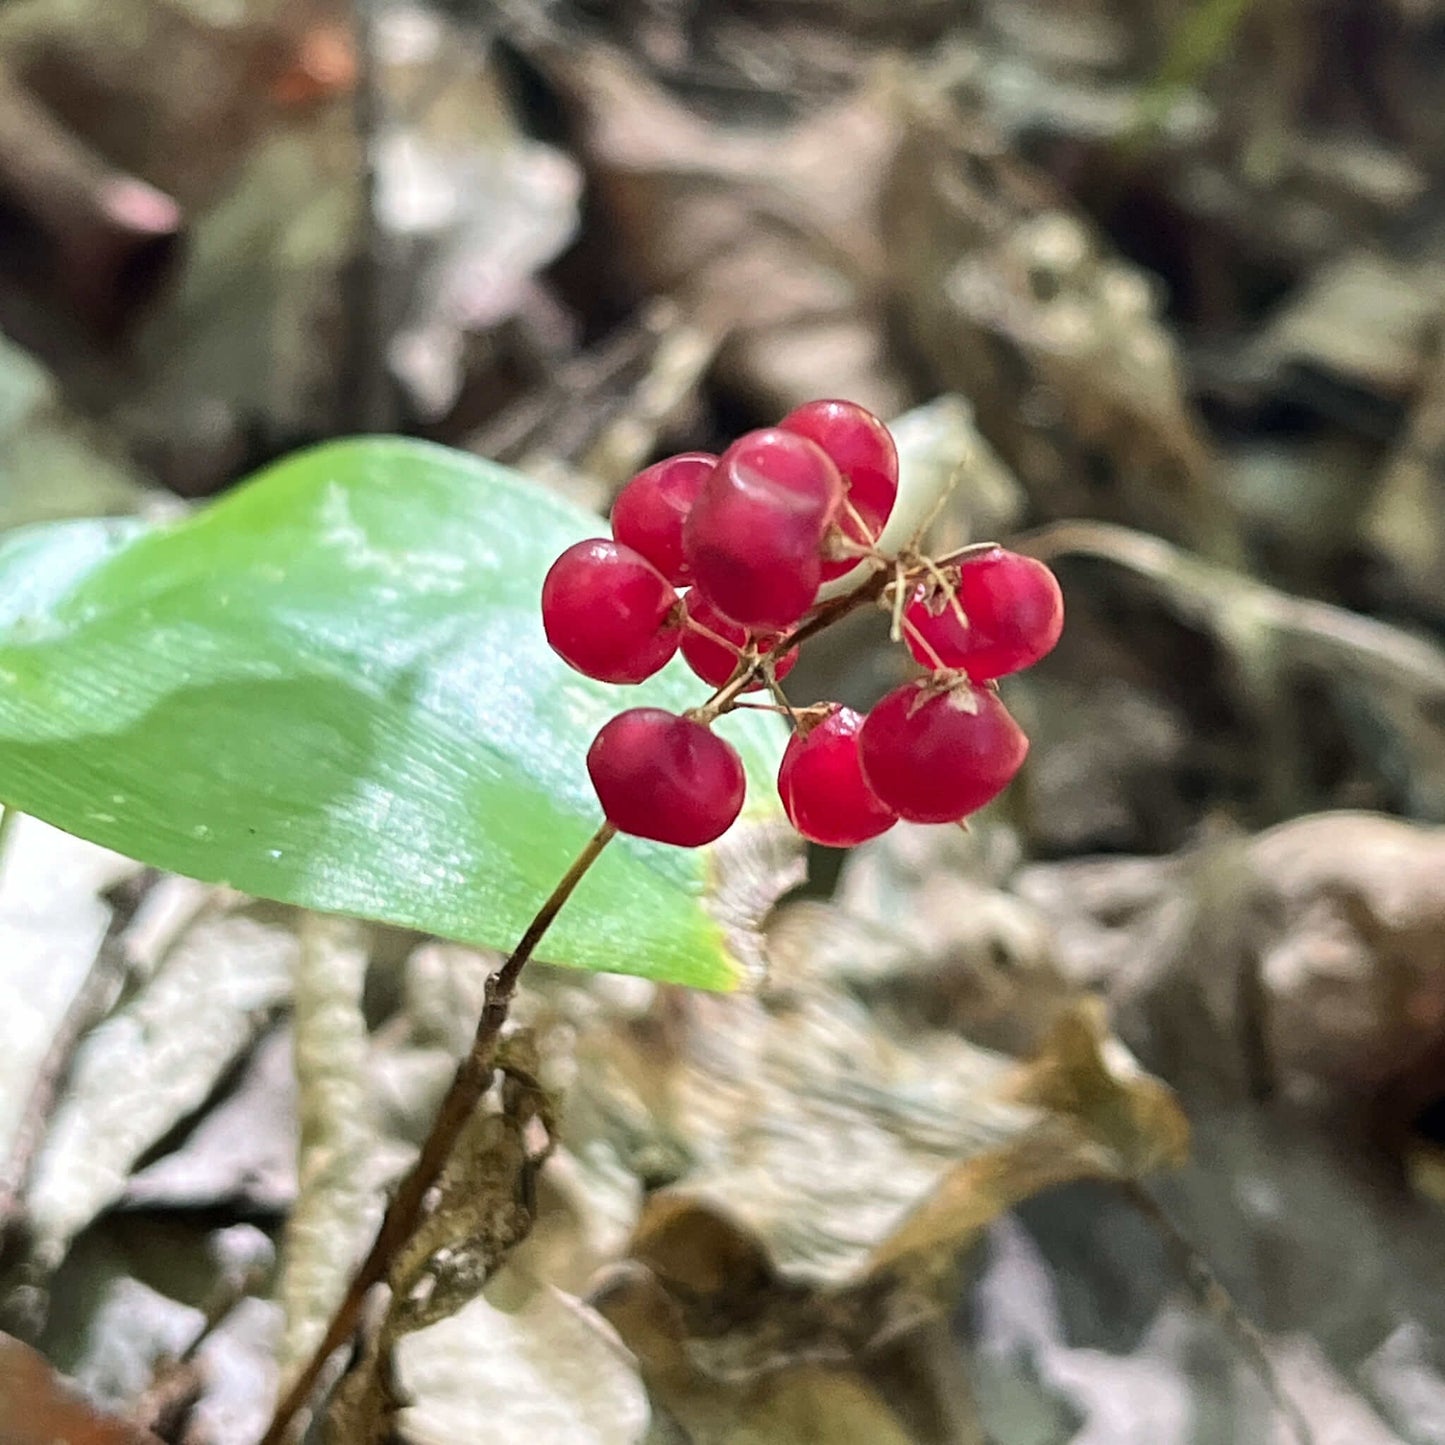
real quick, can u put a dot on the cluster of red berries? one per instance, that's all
(722, 558)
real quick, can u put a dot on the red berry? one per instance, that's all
(608, 612)
(863, 451)
(715, 661)
(822, 786)
(666, 777)
(754, 536)
(1013, 613)
(936, 754)
(650, 510)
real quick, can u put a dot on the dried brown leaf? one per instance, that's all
(1311, 951)
(788, 1401)
(484, 1205)
(755, 228)
(1101, 1116)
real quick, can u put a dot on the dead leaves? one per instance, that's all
(156, 1060)
(1056, 341)
(767, 1197)
(1324, 985)
(1102, 1117)
(826, 1171)
(526, 1362)
(754, 230)
(484, 1207)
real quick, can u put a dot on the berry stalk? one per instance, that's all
(474, 1073)
(470, 1082)
(751, 534)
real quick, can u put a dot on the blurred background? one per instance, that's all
(1165, 281)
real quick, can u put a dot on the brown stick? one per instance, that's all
(469, 1083)
(1207, 1288)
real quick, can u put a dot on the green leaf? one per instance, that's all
(331, 688)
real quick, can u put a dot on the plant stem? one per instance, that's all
(469, 1084)
(474, 1073)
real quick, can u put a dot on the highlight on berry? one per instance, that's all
(720, 559)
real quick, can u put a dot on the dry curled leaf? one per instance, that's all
(1313, 947)
(823, 1132)
(791, 1399)
(1100, 1115)
(483, 1206)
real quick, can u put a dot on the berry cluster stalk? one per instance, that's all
(474, 1073)
(469, 1084)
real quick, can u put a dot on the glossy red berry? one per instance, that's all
(935, 754)
(608, 612)
(666, 777)
(1013, 613)
(714, 660)
(650, 510)
(822, 786)
(863, 451)
(754, 536)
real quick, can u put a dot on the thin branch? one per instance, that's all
(1210, 595)
(177, 1382)
(1220, 1305)
(469, 1084)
